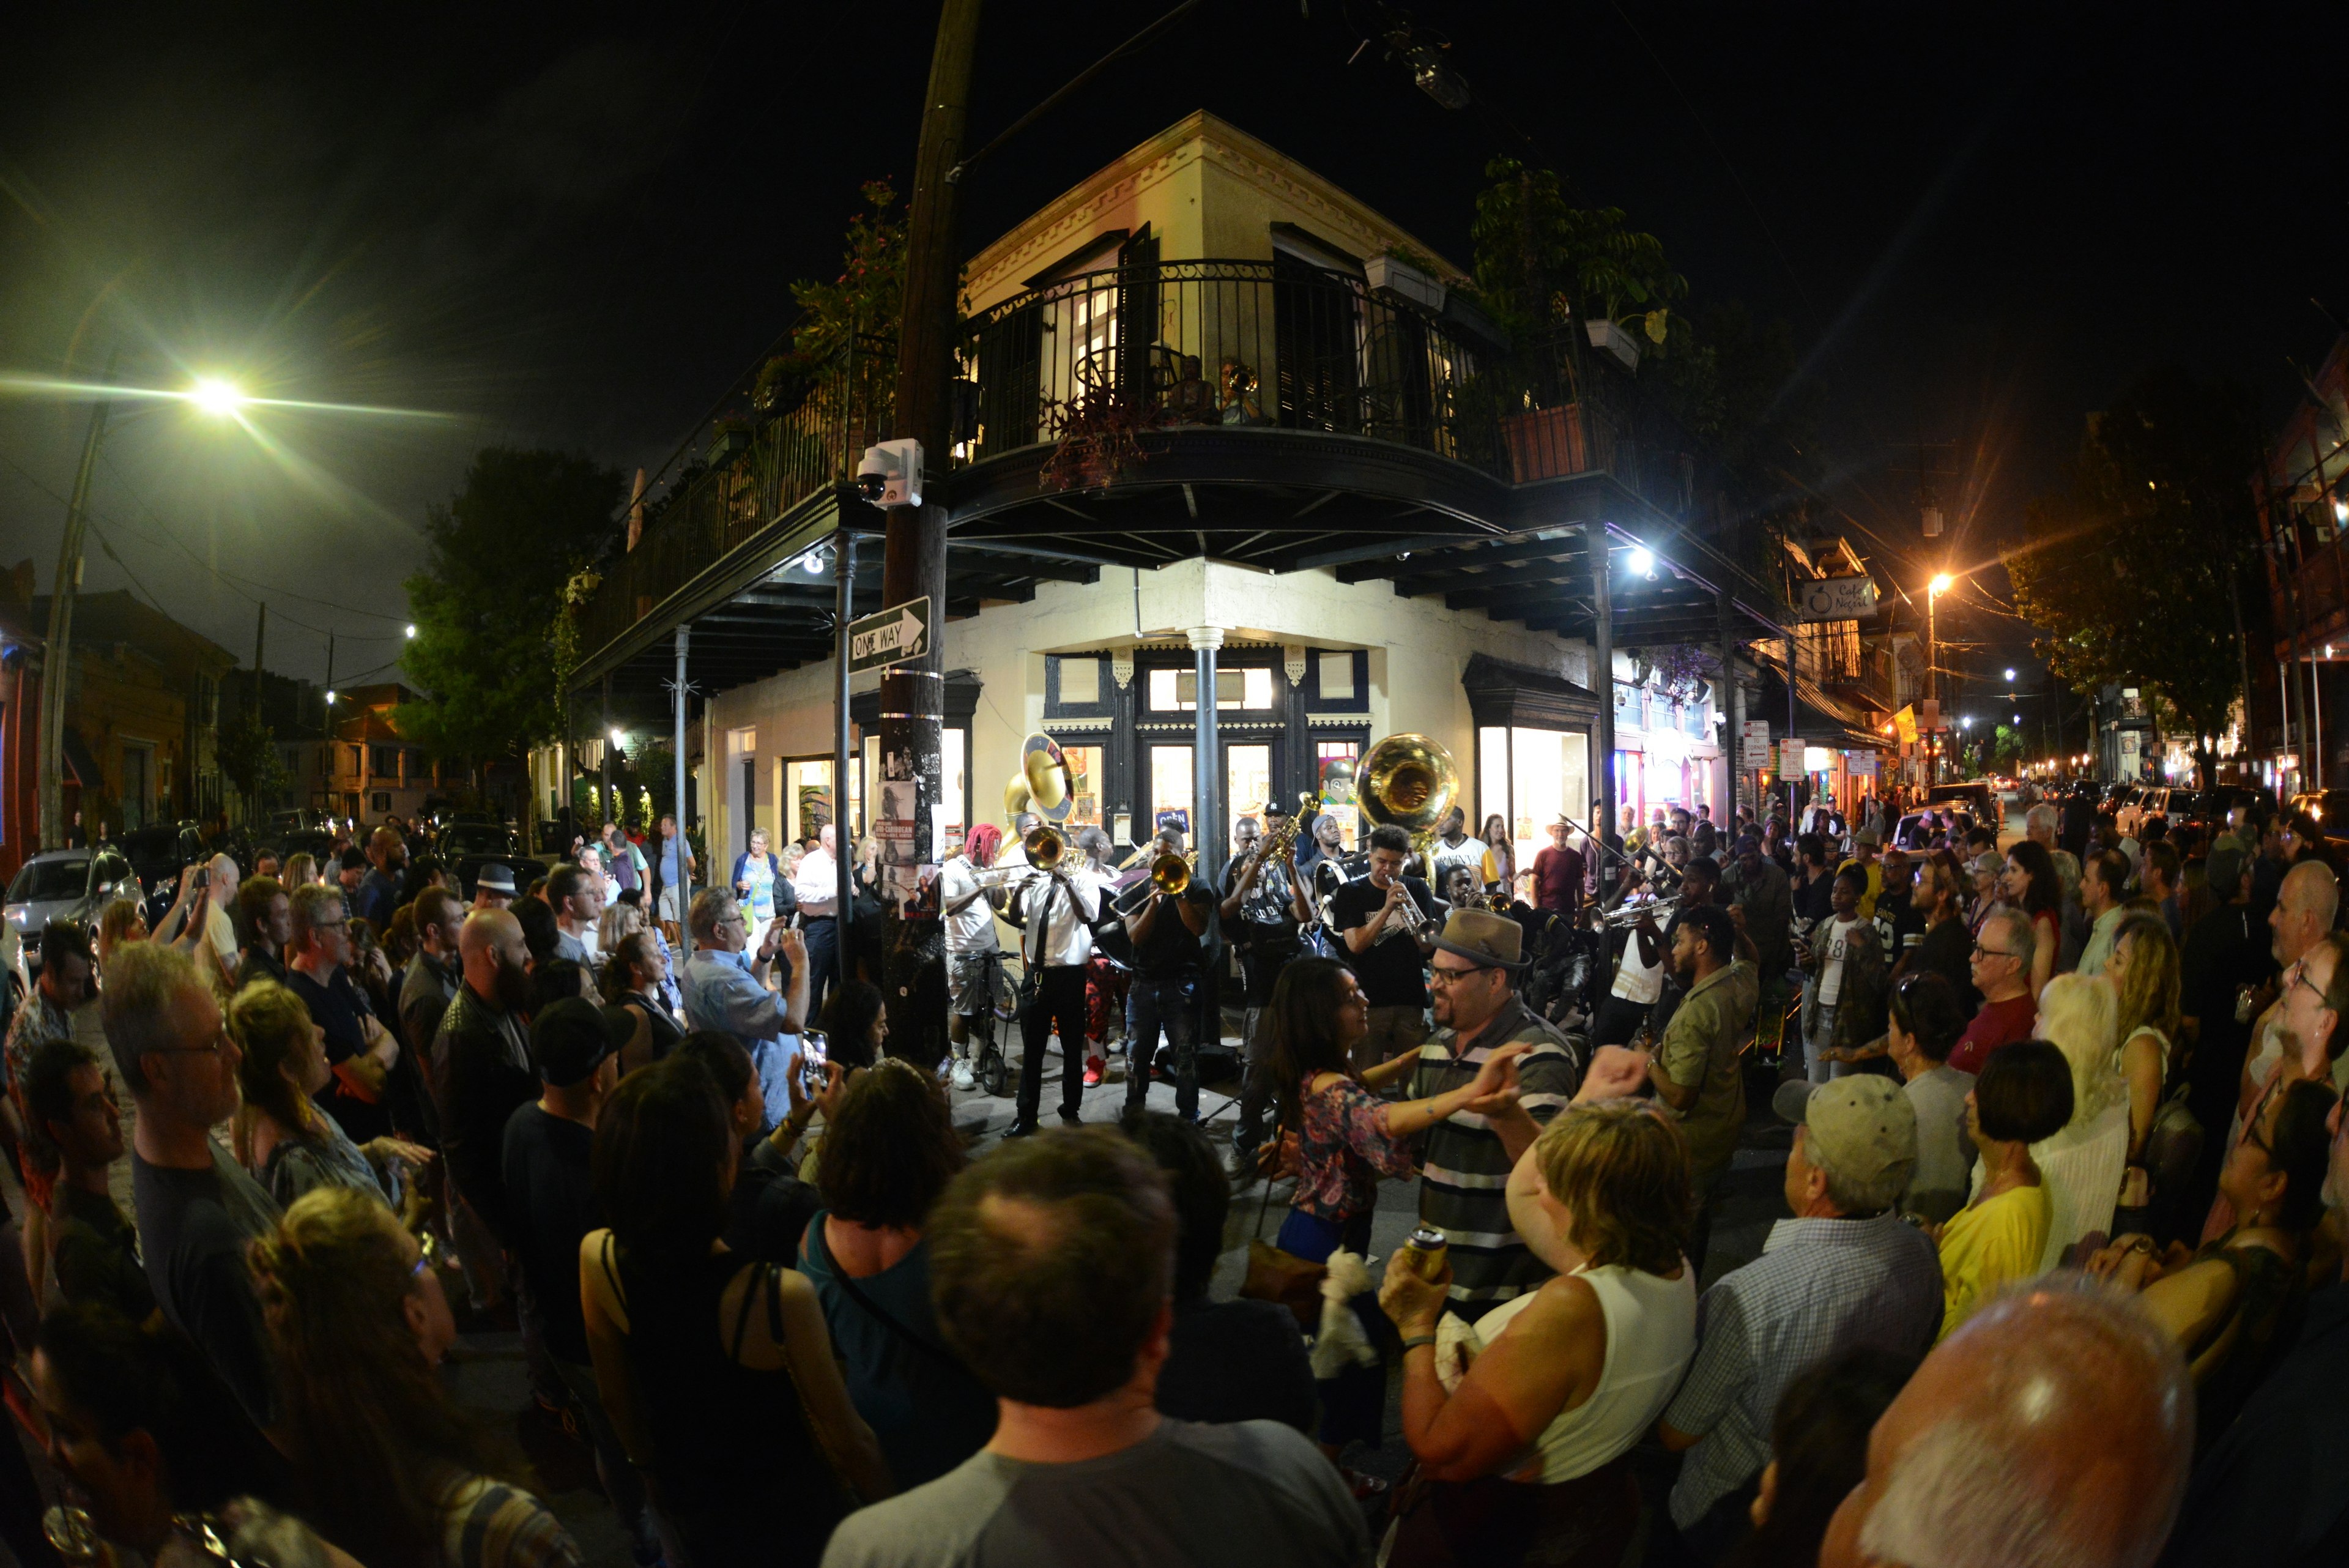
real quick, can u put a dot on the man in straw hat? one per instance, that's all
(1462, 1191)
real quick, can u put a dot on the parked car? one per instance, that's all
(65, 884)
(1975, 796)
(2159, 801)
(2120, 794)
(468, 845)
(2206, 812)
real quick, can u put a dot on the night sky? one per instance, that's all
(574, 228)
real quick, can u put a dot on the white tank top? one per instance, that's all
(1651, 1335)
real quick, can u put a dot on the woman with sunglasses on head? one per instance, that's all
(2031, 885)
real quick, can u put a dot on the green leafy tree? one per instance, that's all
(866, 300)
(2130, 571)
(248, 755)
(490, 605)
(1540, 258)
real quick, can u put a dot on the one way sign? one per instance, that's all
(889, 636)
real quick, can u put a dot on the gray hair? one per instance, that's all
(1851, 1194)
(145, 984)
(305, 907)
(712, 907)
(2039, 817)
(2021, 932)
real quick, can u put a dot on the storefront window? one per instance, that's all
(1333, 773)
(1084, 787)
(1248, 781)
(1530, 778)
(806, 805)
(1169, 787)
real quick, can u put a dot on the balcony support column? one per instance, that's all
(603, 749)
(683, 896)
(1207, 770)
(1729, 699)
(1602, 676)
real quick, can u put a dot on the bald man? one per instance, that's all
(481, 1067)
(2055, 1428)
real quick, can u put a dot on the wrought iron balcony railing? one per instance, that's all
(1155, 348)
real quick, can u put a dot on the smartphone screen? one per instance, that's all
(813, 1046)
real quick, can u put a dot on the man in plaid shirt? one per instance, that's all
(1846, 1271)
(1463, 1188)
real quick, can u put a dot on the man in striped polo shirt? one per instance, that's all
(1462, 1191)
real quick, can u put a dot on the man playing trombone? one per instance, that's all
(1166, 914)
(1265, 909)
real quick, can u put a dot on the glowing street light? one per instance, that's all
(217, 397)
(2010, 676)
(411, 631)
(1939, 584)
(620, 739)
(1642, 561)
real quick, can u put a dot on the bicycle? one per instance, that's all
(990, 1065)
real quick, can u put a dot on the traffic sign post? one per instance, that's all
(893, 636)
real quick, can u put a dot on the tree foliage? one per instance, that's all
(2129, 571)
(866, 299)
(488, 603)
(249, 757)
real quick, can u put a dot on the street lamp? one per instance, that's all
(411, 631)
(2009, 677)
(1642, 561)
(216, 397)
(1933, 592)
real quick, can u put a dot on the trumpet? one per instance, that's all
(1409, 919)
(1629, 915)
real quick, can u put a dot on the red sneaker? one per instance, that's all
(1095, 1068)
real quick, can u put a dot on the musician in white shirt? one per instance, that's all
(1056, 912)
(967, 909)
(816, 883)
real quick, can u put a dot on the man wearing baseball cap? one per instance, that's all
(1462, 1192)
(549, 1207)
(1846, 1271)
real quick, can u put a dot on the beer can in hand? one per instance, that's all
(1425, 1249)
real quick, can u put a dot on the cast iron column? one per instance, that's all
(1206, 775)
(1602, 659)
(683, 878)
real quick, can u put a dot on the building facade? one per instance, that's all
(1223, 428)
(2303, 494)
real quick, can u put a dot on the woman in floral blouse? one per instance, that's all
(1339, 1138)
(1347, 1136)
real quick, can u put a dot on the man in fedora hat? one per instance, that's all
(1464, 1190)
(493, 887)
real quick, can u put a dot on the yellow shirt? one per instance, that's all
(1989, 1243)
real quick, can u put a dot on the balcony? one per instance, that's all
(1277, 381)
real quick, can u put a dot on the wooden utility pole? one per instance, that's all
(56, 652)
(914, 558)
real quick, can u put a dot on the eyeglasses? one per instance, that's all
(2300, 977)
(1981, 952)
(1439, 976)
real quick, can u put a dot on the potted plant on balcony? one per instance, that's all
(1407, 274)
(1097, 437)
(730, 438)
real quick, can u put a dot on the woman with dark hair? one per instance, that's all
(1818, 1452)
(2032, 884)
(1240, 1360)
(358, 1327)
(769, 1206)
(1526, 1446)
(1925, 1023)
(632, 980)
(1341, 1138)
(718, 1373)
(2233, 1305)
(2022, 1094)
(282, 1137)
(539, 931)
(1500, 864)
(855, 1023)
(890, 1151)
(1346, 1135)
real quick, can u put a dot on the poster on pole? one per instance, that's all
(1753, 750)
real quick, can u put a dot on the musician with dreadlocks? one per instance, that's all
(967, 912)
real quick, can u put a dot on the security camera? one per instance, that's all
(890, 473)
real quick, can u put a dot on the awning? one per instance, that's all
(1518, 696)
(1819, 720)
(79, 764)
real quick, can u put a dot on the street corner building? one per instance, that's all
(1241, 478)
